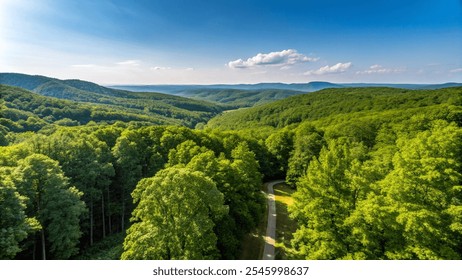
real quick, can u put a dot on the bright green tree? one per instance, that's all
(280, 145)
(55, 205)
(184, 153)
(423, 189)
(130, 160)
(174, 218)
(325, 197)
(14, 224)
(307, 143)
(86, 161)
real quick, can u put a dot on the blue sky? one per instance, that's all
(206, 42)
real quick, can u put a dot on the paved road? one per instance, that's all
(270, 237)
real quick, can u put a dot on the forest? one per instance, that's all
(376, 174)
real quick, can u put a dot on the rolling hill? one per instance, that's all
(164, 106)
(332, 102)
(237, 98)
(248, 95)
(23, 110)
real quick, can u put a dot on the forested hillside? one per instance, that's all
(174, 108)
(335, 102)
(235, 98)
(376, 173)
(27, 111)
(248, 95)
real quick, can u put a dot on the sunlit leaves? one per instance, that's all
(175, 217)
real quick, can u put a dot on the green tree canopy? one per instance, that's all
(14, 225)
(325, 197)
(175, 217)
(53, 203)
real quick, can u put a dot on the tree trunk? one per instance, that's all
(44, 257)
(91, 222)
(102, 214)
(35, 247)
(42, 231)
(123, 214)
(109, 211)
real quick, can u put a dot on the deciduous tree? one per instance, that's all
(175, 217)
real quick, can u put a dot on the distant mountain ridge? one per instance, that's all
(302, 87)
(184, 89)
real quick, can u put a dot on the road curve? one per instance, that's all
(270, 237)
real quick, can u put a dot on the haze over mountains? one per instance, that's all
(248, 95)
(302, 87)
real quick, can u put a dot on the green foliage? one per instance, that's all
(237, 98)
(307, 144)
(389, 203)
(280, 145)
(52, 202)
(184, 153)
(419, 190)
(85, 160)
(238, 179)
(334, 102)
(95, 103)
(109, 248)
(27, 111)
(325, 197)
(13, 222)
(377, 173)
(175, 217)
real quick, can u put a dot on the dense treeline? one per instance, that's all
(66, 190)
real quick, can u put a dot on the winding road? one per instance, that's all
(270, 237)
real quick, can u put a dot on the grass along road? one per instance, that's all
(254, 243)
(285, 225)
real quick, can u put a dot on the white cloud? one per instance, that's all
(337, 68)
(457, 70)
(281, 58)
(379, 69)
(156, 68)
(129, 63)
